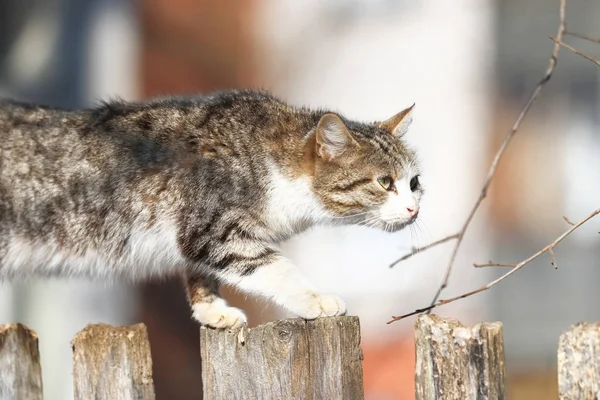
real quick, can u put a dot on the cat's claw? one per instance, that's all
(219, 315)
(316, 305)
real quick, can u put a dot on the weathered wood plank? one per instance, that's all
(456, 362)
(287, 359)
(20, 370)
(112, 363)
(579, 362)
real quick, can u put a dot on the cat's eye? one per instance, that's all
(414, 183)
(386, 182)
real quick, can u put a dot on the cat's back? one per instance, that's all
(23, 124)
(14, 111)
(37, 142)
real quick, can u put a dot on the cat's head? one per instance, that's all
(365, 173)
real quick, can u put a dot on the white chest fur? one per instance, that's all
(291, 204)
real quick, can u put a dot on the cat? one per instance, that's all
(201, 186)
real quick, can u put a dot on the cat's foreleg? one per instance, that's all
(208, 307)
(278, 279)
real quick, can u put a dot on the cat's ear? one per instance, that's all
(398, 125)
(333, 137)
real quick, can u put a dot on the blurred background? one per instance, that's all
(468, 64)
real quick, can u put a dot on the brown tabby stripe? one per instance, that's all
(354, 184)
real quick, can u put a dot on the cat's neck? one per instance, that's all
(292, 206)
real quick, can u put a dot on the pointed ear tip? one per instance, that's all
(331, 119)
(329, 116)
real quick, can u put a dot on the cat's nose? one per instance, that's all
(413, 211)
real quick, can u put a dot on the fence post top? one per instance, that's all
(449, 323)
(18, 327)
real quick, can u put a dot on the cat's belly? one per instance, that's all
(149, 253)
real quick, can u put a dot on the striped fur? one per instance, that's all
(199, 186)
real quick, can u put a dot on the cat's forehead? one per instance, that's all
(408, 170)
(388, 151)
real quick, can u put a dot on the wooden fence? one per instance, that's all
(296, 359)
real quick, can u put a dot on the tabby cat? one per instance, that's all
(203, 187)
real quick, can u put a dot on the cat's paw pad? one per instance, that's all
(320, 305)
(219, 315)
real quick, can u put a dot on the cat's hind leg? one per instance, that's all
(208, 307)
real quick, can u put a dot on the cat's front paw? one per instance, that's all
(218, 314)
(314, 305)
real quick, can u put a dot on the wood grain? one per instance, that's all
(111, 363)
(20, 370)
(579, 362)
(287, 359)
(456, 362)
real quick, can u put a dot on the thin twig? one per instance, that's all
(493, 264)
(568, 220)
(423, 248)
(549, 248)
(492, 171)
(553, 262)
(582, 36)
(574, 50)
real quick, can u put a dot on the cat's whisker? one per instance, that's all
(369, 222)
(414, 236)
(419, 231)
(372, 222)
(421, 224)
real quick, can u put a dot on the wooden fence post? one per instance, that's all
(111, 363)
(287, 359)
(455, 362)
(20, 370)
(579, 362)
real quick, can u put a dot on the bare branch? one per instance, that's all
(568, 220)
(553, 262)
(493, 264)
(492, 170)
(574, 50)
(582, 36)
(423, 248)
(547, 249)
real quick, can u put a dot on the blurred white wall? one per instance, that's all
(369, 60)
